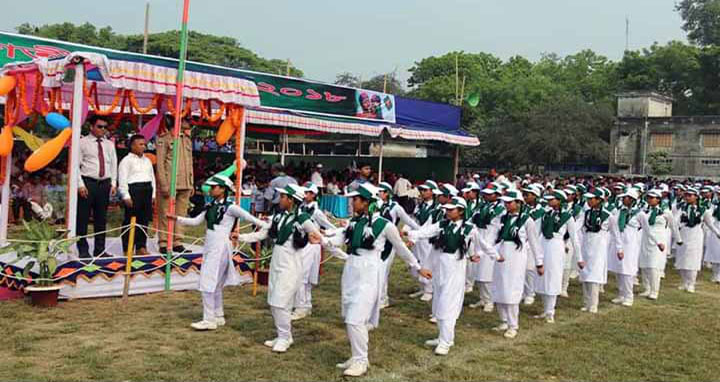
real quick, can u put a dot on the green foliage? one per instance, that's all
(701, 20)
(202, 47)
(40, 243)
(376, 83)
(659, 164)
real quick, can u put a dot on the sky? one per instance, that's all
(371, 37)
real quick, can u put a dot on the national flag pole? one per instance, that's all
(179, 85)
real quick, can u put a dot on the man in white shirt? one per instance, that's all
(402, 189)
(317, 179)
(136, 184)
(97, 182)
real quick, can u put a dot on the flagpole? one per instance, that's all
(179, 85)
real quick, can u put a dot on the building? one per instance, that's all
(646, 136)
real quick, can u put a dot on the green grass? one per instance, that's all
(148, 339)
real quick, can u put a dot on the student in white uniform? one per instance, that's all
(626, 229)
(575, 207)
(471, 192)
(712, 251)
(515, 240)
(688, 259)
(451, 239)
(532, 206)
(425, 214)
(556, 223)
(593, 253)
(396, 214)
(312, 256)
(217, 269)
(365, 237)
(487, 221)
(291, 231)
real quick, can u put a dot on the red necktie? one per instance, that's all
(101, 159)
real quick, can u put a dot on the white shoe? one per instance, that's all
(468, 289)
(416, 294)
(645, 293)
(299, 314)
(271, 343)
(476, 304)
(627, 303)
(488, 307)
(432, 343)
(529, 300)
(356, 369)
(617, 300)
(691, 289)
(344, 365)
(203, 325)
(501, 328)
(550, 319)
(281, 346)
(564, 295)
(370, 327)
(384, 304)
(682, 287)
(510, 333)
(433, 320)
(220, 321)
(426, 297)
(593, 310)
(540, 316)
(584, 309)
(442, 349)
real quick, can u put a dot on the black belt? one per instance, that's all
(141, 185)
(88, 179)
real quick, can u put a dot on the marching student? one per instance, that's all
(623, 259)
(312, 256)
(688, 259)
(365, 238)
(291, 231)
(487, 221)
(396, 214)
(532, 206)
(425, 213)
(217, 267)
(592, 259)
(712, 251)
(556, 223)
(515, 240)
(471, 192)
(451, 240)
(575, 207)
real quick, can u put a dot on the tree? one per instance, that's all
(347, 79)
(659, 163)
(701, 20)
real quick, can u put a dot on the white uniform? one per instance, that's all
(509, 275)
(594, 248)
(712, 246)
(396, 214)
(488, 224)
(628, 241)
(362, 277)
(536, 213)
(424, 215)
(550, 284)
(286, 266)
(688, 258)
(217, 270)
(652, 260)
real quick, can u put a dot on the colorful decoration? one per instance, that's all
(150, 156)
(6, 141)
(33, 142)
(47, 152)
(57, 121)
(7, 84)
(225, 132)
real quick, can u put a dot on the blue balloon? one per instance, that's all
(57, 121)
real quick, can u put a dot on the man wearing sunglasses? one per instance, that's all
(97, 182)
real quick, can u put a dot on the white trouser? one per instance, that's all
(625, 287)
(651, 280)
(213, 301)
(303, 297)
(591, 295)
(529, 288)
(385, 297)
(469, 275)
(715, 271)
(283, 324)
(509, 314)
(484, 292)
(446, 328)
(566, 280)
(549, 304)
(358, 336)
(688, 277)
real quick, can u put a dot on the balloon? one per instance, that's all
(7, 83)
(151, 156)
(57, 121)
(473, 99)
(33, 142)
(225, 131)
(6, 141)
(47, 152)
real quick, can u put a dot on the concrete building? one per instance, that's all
(645, 126)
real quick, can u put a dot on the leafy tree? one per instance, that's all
(701, 20)
(659, 164)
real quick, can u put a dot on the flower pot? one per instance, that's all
(263, 275)
(43, 296)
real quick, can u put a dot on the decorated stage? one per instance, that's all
(104, 276)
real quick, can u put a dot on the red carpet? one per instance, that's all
(8, 294)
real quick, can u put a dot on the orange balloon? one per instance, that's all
(7, 83)
(225, 131)
(6, 141)
(152, 157)
(47, 152)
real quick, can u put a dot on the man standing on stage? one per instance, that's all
(97, 182)
(183, 185)
(136, 184)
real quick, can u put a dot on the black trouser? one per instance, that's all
(142, 209)
(21, 204)
(407, 204)
(97, 201)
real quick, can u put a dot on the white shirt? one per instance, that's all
(402, 187)
(134, 169)
(90, 162)
(317, 179)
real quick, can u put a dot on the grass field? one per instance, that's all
(673, 339)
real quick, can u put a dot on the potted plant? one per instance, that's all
(262, 268)
(40, 243)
